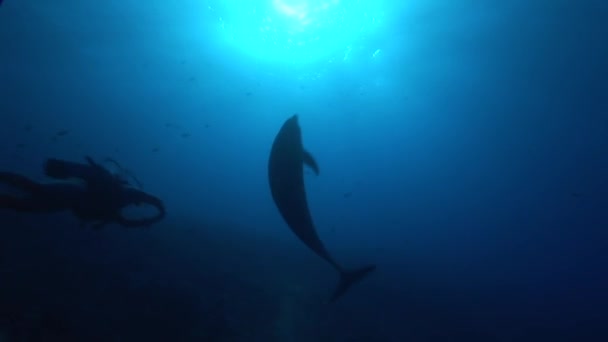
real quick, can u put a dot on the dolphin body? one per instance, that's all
(286, 177)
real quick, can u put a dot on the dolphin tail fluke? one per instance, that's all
(348, 278)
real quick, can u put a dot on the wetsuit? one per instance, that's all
(39, 197)
(99, 200)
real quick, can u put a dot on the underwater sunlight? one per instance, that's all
(296, 31)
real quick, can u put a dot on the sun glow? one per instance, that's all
(296, 31)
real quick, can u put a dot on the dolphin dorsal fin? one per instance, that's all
(310, 161)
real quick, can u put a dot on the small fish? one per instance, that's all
(185, 135)
(248, 93)
(347, 194)
(20, 145)
(27, 127)
(62, 133)
(156, 149)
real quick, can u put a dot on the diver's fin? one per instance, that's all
(310, 161)
(348, 278)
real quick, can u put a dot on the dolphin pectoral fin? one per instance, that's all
(348, 278)
(310, 161)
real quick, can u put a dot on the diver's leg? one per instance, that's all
(9, 202)
(36, 197)
(27, 204)
(19, 181)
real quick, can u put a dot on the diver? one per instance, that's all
(92, 193)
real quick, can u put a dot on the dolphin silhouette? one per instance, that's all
(286, 177)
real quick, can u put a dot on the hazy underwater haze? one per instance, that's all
(462, 148)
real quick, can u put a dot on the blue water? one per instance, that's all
(467, 159)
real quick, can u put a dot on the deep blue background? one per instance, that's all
(469, 161)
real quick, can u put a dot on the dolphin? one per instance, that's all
(286, 178)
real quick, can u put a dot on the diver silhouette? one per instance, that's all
(92, 193)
